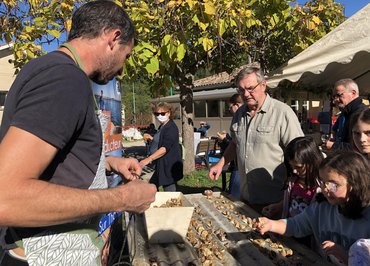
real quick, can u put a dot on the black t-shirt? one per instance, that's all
(52, 99)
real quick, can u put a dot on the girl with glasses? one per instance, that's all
(343, 217)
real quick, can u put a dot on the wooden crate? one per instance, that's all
(168, 224)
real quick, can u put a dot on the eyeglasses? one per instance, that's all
(250, 89)
(160, 113)
(331, 186)
(338, 95)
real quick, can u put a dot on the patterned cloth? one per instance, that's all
(80, 247)
(359, 253)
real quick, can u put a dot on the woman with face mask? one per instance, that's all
(167, 158)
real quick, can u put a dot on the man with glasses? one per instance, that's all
(260, 131)
(346, 97)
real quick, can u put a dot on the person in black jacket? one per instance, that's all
(224, 139)
(167, 158)
(346, 96)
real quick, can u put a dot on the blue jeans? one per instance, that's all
(234, 184)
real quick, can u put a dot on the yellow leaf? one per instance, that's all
(118, 3)
(207, 44)
(181, 51)
(68, 25)
(248, 13)
(222, 27)
(311, 25)
(54, 33)
(19, 54)
(65, 5)
(24, 36)
(166, 39)
(190, 3)
(204, 26)
(28, 29)
(209, 8)
(153, 66)
(30, 54)
(171, 3)
(316, 20)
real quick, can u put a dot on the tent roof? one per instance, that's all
(342, 53)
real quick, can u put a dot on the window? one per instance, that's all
(177, 108)
(225, 109)
(2, 98)
(199, 109)
(295, 105)
(213, 108)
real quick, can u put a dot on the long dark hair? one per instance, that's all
(355, 168)
(304, 150)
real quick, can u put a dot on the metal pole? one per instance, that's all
(171, 92)
(133, 101)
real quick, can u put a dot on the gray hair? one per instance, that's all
(93, 18)
(348, 84)
(250, 70)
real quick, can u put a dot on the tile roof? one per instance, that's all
(221, 78)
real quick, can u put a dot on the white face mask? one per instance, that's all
(162, 118)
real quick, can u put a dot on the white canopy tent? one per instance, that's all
(342, 53)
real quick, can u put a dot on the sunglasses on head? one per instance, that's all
(159, 113)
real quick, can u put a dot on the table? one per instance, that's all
(223, 223)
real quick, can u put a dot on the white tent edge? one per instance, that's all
(339, 47)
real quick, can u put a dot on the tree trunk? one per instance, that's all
(185, 82)
(186, 101)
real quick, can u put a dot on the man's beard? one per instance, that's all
(98, 79)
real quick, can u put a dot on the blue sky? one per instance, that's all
(350, 6)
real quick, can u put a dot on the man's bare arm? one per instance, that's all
(230, 152)
(27, 201)
(228, 156)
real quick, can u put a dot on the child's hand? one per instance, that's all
(331, 248)
(262, 224)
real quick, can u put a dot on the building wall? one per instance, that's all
(6, 74)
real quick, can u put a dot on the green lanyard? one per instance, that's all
(80, 65)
